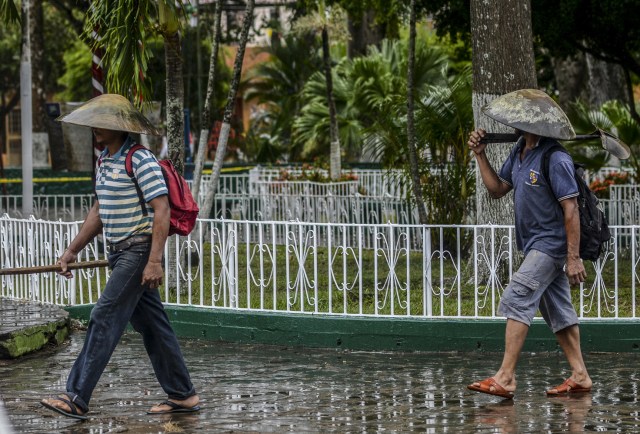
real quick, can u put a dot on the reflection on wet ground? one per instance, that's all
(274, 389)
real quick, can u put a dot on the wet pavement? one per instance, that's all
(245, 388)
(19, 314)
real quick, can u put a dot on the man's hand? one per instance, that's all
(474, 141)
(152, 275)
(575, 271)
(67, 257)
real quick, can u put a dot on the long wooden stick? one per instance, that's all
(511, 138)
(55, 267)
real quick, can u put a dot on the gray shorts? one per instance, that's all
(540, 282)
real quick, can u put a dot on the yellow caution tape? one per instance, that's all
(19, 180)
(88, 178)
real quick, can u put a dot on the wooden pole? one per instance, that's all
(55, 267)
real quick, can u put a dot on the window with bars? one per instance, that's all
(14, 122)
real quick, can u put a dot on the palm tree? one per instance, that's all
(312, 128)
(228, 111)
(277, 86)
(370, 96)
(328, 20)
(444, 116)
(380, 89)
(125, 26)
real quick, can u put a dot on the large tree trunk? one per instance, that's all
(571, 78)
(174, 95)
(503, 61)
(606, 82)
(591, 80)
(209, 100)
(334, 136)
(364, 32)
(175, 100)
(205, 210)
(411, 133)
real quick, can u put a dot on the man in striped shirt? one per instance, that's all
(136, 244)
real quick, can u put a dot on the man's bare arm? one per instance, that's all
(495, 186)
(91, 227)
(153, 273)
(575, 268)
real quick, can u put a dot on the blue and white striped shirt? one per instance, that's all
(120, 209)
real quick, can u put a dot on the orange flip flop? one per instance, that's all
(569, 386)
(490, 387)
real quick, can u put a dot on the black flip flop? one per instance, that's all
(175, 408)
(74, 409)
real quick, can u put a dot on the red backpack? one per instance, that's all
(184, 209)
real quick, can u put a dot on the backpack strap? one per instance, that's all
(546, 157)
(128, 165)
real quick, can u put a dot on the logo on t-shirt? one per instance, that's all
(533, 177)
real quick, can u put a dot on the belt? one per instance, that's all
(125, 244)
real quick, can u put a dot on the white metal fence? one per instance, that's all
(259, 195)
(322, 268)
(49, 206)
(374, 197)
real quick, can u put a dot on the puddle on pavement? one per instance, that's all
(251, 388)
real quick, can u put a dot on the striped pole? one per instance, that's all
(96, 67)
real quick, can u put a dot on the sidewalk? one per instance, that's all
(28, 326)
(249, 388)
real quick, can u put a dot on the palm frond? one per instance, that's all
(9, 12)
(125, 27)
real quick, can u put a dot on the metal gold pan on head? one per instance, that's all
(613, 145)
(533, 111)
(112, 112)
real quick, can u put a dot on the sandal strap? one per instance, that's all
(72, 407)
(172, 404)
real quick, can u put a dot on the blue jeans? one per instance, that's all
(124, 299)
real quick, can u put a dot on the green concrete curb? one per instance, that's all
(380, 333)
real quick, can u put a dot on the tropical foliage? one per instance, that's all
(9, 12)
(612, 116)
(277, 85)
(331, 23)
(125, 29)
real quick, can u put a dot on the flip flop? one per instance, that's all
(490, 387)
(569, 386)
(72, 414)
(175, 408)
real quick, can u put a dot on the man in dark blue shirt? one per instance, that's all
(549, 236)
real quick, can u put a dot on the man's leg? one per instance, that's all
(107, 323)
(569, 340)
(151, 321)
(519, 304)
(515, 335)
(558, 311)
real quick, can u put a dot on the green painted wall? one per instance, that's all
(378, 334)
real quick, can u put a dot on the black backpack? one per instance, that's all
(594, 230)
